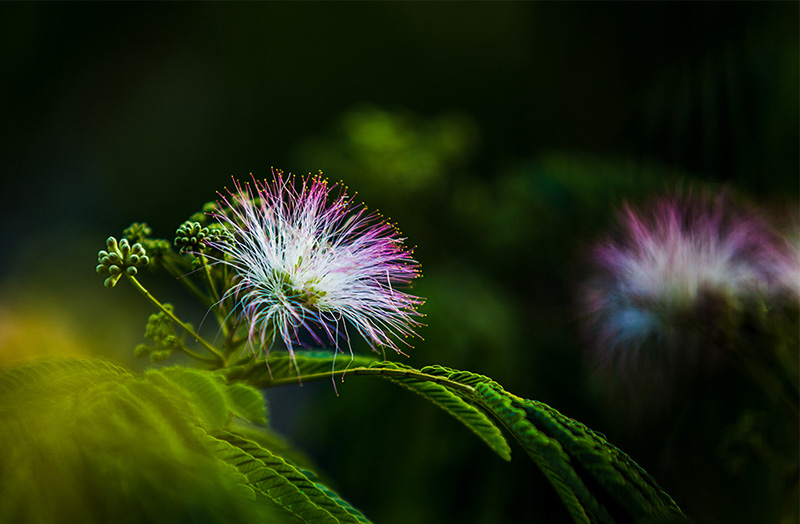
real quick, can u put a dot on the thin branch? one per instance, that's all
(146, 294)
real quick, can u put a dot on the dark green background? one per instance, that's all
(500, 136)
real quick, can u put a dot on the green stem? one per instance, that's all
(146, 294)
(209, 281)
(212, 289)
(196, 356)
(229, 345)
(188, 284)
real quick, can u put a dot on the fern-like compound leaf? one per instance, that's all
(451, 402)
(281, 482)
(630, 485)
(285, 366)
(547, 454)
(573, 457)
(597, 482)
(213, 399)
(87, 441)
(466, 378)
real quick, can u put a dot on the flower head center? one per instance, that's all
(307, 293)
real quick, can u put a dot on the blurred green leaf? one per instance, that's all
(87, 441)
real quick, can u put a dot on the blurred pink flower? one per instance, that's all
(675, 265)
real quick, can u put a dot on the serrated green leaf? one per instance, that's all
(281, 482)
(203, 390)
(615, 471)
(547, 454)
(55, 373)
(571, 456)
(466, 413)
(246, 402)
(276, 443)
(281, 365)
(84, 441)
(462, 377)
(210, 397)
(343, 503)
(556, 443)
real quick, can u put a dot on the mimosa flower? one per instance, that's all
(674, 267)
(309, 263)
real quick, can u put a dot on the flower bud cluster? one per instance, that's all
(189, 237)
(192, 238)
(161, 331)
(121, 258)
(218, 235)
(137, 232)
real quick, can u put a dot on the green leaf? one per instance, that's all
(213, 400)
(86, 441)
(616, 472)
(548, 455)
(281, 366)
(246, 402)
(453, 404)
(577, 461)
(462, 377)
(281, 482)
(276, 443)
(343, 503)
(54, 373)
(595, 480)
(203, 391)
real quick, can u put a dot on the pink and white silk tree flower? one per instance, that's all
(309, 263)
(669, 275)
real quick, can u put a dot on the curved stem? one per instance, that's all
(146, 294)
(188, 352)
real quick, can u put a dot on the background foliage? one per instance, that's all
(499, 137)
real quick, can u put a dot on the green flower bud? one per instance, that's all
(189, 237)
(141, 350)
(111, 281)
(137, 232)
(160, 355)
(121, 258)
(124, 247)
(157, 248)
